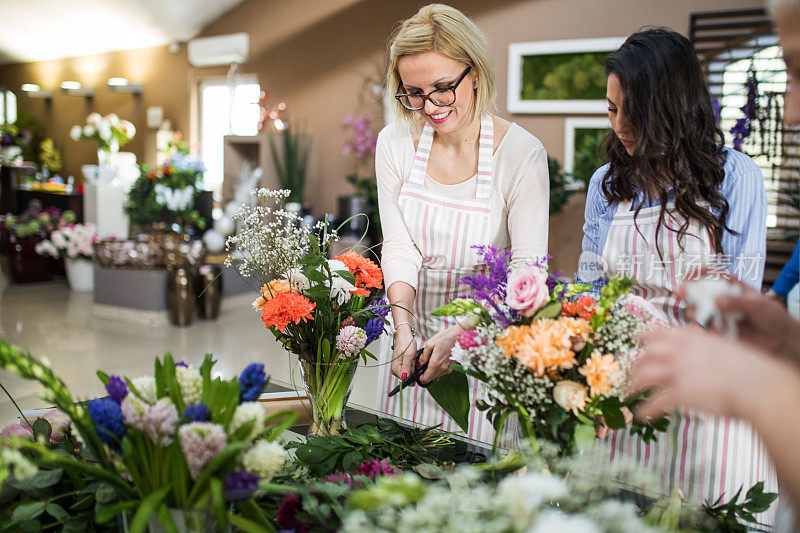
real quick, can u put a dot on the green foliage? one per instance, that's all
(586, 159)
(383, 439)
(559, 193)
(290, 160)
(451, 392)
(572, 76)
(732, 516)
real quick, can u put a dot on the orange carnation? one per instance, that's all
(286, 308)
(602, 373)
(366, 272)
(268, 291)
(545, 345)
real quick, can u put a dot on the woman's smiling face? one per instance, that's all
(429, 71)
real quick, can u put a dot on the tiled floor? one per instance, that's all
(48, 319)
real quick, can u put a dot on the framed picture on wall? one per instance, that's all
(582, 136)
(559, 77)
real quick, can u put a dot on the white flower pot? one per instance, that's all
(80, 274)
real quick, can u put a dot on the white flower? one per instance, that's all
(298, 281)
(190, 382)
(244, 413)
(112, 119)
(264, 459)
(104, 130)
(94, 119)
(89, 130)
(134, 411)
(570, 396)
(550, 521)
(146, 387)
(524, 494)
(130, 130)
(341, 289)
(23, 468)
(76, 132)
(59, 241)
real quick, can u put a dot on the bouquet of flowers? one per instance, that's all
(323, 310)
(178, 439)
(555, 362)
(70, 240)
(166, 194)
(12, 142)
(109, 132)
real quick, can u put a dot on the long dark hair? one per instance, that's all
(678, 143)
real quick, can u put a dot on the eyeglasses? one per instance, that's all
(439, 97)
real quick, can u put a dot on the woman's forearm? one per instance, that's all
(401, 297)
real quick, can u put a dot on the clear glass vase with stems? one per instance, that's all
(328, 386)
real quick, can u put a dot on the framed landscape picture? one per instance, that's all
(582, 136)
(559, 77)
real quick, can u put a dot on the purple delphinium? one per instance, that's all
(117, 389)
(182, 363)
(251, 382)
(741, 130)
(197, 412)
(239, 486)
(374, 328)
(106, 416)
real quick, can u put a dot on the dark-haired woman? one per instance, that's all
(671, 199)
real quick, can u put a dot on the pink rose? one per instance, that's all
(527, 290)
(16, 430)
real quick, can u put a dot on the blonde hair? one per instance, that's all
(446, 30)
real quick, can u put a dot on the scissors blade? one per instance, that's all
(414, 377)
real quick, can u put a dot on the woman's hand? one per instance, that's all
(692, 368)
(437, 353)
(405, 348)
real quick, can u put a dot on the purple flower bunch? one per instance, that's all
(362, 143)
(239, 486)
(106, 416)
(741, 130)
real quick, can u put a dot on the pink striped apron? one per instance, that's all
(443, 230)
(704, 455)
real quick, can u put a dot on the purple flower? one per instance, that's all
(6, 140)
(380, 308)
(117, 389)
(374, 468)
(374, 328)
(251, 382)
(341, 477)
(291, 506)
(182, 363)
(240, 486)
(197, 412)
(106, 416)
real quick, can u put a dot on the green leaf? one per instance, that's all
(457, 307)
(47, 478)
(249, 526)
(31, 525)
(41, 429)
(147, 508)
(612, 413)
(28, 511)
(56, 511)
(347, 275)
(451, 392)
(429, 471)
(105, 514)
(584, 435)
(551, 310)
(105, 494)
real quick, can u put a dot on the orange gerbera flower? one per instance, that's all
(584, 307)
(602, 373)
(366, 272)
(545, 345)
(286, 308)
(268, 291)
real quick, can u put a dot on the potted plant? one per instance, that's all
(110, 133)
(22, 233)
(75, 244)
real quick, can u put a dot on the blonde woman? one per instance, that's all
(451, 176)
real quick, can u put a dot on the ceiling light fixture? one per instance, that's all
(31, 90)
(74, 88)
(122, 85)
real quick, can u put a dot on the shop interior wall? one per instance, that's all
(321, 57)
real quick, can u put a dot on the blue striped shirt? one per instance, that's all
(743, 254)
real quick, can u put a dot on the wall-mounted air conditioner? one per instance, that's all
(219, 50)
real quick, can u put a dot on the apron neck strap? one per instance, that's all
(485, 154)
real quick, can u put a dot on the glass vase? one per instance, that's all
(328, 387)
